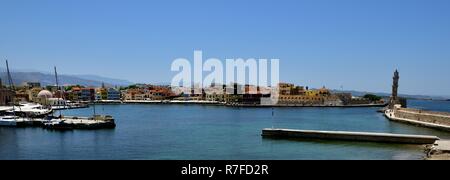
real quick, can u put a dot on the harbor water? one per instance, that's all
(205, 132)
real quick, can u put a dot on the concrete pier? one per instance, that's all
(439, 151)
(349, 136)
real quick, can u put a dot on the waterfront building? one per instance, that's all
(52, 88)
(133, 94)
(289, 94)
(98, 96)
(33, 93)
(56, 102)
(59, 93)
(87, 94)
(291, 89)
(101, 94)
(197, 94)
(215, 96)
(22, 96)
(6, 95)
(146, 92)
(127, 96)
(253, 95)
(233, 94)
(43, 97)
(113, 94)
(74, 94)
(140, 97)
(346, 98)
(31, 85)
(215, 93)
(157, 94)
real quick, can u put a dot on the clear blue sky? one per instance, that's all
(354, 43)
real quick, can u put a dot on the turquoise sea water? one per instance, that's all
(185, 132)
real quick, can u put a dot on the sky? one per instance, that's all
(349, 44)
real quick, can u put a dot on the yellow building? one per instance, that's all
(33, 93)
(290, 89)
(298, 95)
(101, 94)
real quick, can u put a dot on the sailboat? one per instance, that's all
(11, 120)
(71, 122)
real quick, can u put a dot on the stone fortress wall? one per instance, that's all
(441, 118)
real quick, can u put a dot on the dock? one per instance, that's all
(349, 136)
(57, 108)
(68, 123)
(79, 124)
(439, 151)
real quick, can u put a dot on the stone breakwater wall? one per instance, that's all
(441, 118)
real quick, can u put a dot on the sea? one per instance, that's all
(208, 132)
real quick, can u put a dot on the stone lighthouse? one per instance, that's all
(394, 97)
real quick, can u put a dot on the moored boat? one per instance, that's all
(73, 122)
(8, 121)
(31, 110)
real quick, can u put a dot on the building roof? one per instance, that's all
(45, 94)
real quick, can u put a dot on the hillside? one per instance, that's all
(49, 79)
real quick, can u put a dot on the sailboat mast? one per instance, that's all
(95, 113)
(56, 77)
(57, 89)
(10, 82)
(11, 86)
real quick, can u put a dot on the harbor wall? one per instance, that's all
(349, 136)
(423, 116)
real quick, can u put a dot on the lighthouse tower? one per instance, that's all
(394, 98)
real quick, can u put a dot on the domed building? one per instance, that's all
(44, 94)
(45, 97)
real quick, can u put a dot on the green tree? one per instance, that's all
(372, 97)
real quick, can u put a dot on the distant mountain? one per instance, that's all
(118, 82)
(49, 79)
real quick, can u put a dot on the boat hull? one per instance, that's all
(4, 123)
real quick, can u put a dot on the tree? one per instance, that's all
(372, 97)
(134, 86)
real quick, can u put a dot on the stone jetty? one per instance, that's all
(435, 120)
(349, 136)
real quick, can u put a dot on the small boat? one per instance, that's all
(14, 121)
(8, 121)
